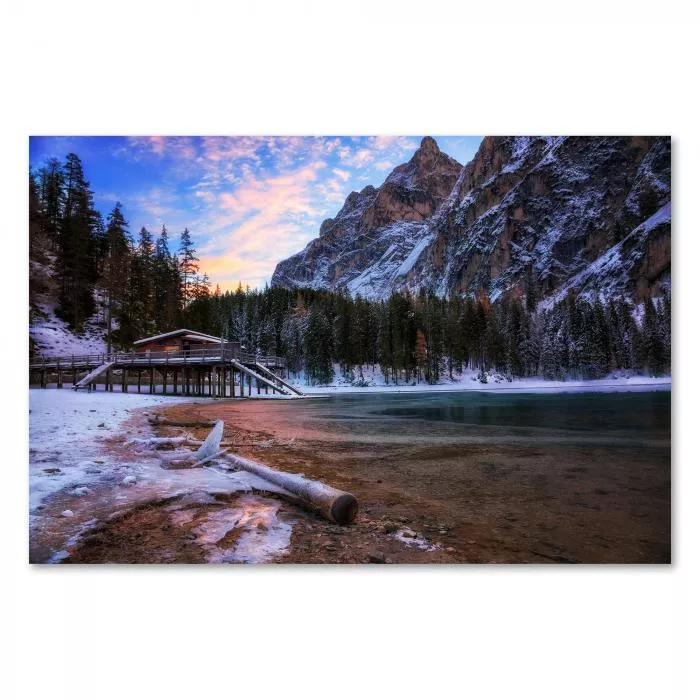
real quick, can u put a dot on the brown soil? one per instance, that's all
(480, 503)
(147, 534)
(464, 503)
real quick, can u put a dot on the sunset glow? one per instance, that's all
(249, 201)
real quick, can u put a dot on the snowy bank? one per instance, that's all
(75, 479)
(66, 432)
(374, 383)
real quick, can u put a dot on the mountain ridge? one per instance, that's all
(527, 215)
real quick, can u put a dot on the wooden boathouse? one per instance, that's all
(181, 362)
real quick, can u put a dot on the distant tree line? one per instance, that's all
(144, 287)
(425, 337)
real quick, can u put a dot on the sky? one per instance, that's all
(248, 201)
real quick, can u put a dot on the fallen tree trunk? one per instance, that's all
(338, 506)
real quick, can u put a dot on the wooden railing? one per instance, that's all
(214, 353)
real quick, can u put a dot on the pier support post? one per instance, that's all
(124, 387)
(165, 381)
(59, 381)
(152, 382)
(138, 381)
(250, 385)
(175, 382)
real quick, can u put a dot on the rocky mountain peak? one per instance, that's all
(414, 191)
(428, 169)
(428, 144)
(528, 215)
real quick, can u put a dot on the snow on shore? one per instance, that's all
(468, 381)
(69, 462)
(66, 429)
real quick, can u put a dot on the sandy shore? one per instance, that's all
(486, 502)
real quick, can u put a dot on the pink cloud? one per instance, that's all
(359, 158)
(263, 223)
(401, 143)
(259, 199)
(230, 148)
(177, 147)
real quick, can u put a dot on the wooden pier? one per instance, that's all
(217, 371)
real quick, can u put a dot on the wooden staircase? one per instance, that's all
(90, 377)
(267, 377)
(278, 380)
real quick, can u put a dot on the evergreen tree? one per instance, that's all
(421, 354)
(653, 345)
(385, 348)
(141, 287)
(188, 267)
(514, 338)
(319, 366)
(51, 193)
(115, 278)
(36, 219)
(75, 264)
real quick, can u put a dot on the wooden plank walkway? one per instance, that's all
(224, 353)
(220, 371)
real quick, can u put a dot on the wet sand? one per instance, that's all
(466, 497)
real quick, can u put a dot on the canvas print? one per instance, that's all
(349, 349)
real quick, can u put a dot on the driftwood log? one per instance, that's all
(337, 506)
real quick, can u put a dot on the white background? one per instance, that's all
(598, 67)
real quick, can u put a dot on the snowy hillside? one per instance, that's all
(538, 215)
(51, 336)
(48, 334)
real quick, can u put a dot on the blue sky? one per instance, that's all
(249, 201)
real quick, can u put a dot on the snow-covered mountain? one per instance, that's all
(539, 214)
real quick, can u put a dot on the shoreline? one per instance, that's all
(534, 385)
(426, 495)
(429, 495)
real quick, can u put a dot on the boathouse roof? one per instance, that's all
(184, 333)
